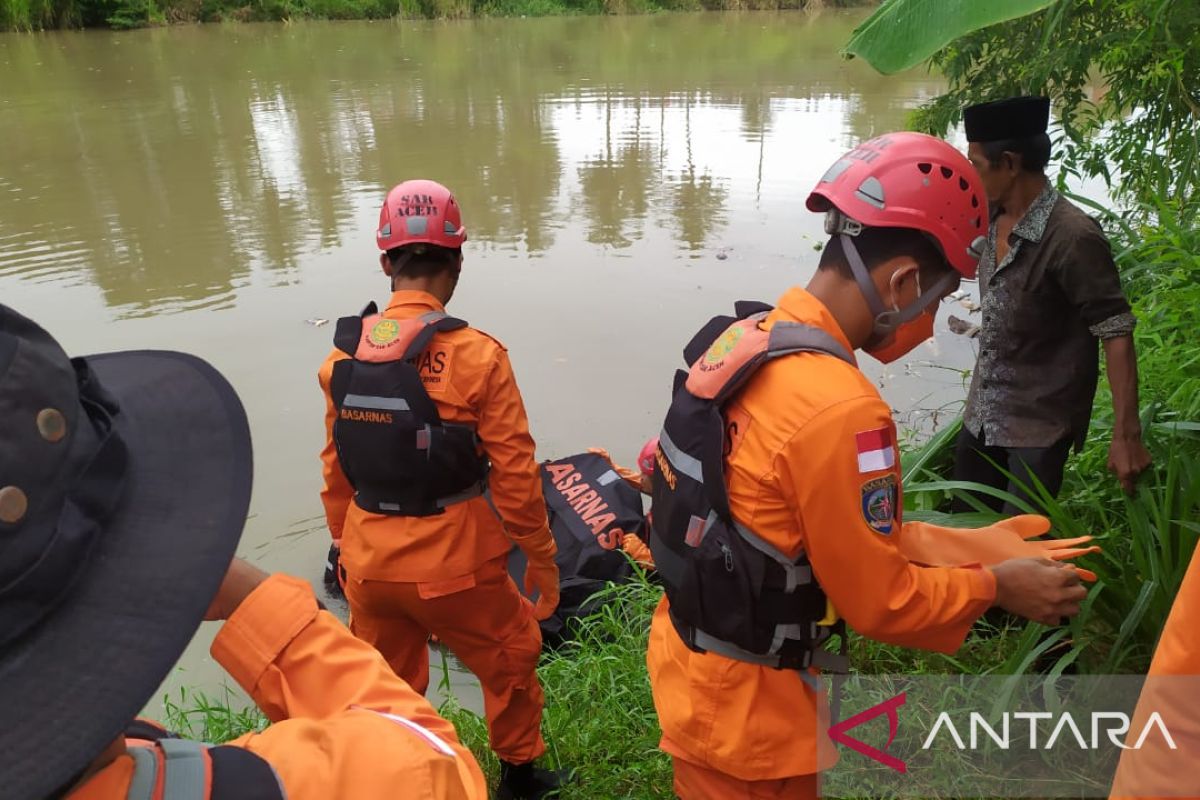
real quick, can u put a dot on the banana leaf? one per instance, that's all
(903, 33)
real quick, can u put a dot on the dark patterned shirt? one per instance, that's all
(1044, 307)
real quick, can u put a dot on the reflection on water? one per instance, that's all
(623, 179)
(173, 168)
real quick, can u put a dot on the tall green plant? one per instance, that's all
(1124, 74)
(600, 718)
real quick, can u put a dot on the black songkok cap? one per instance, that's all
(1014, 118)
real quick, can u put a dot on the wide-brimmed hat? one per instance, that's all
(124, 485)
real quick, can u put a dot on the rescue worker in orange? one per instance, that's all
(430, 478)
(124, 486)
(1172, 689)
(777, 494)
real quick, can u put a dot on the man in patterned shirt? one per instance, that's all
(1049, 290)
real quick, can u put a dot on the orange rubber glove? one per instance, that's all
(935, 546)
(541, 572)
(638, 550)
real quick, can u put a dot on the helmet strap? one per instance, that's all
(888, 320)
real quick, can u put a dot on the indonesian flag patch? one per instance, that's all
(876, 450)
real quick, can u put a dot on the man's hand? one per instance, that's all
(1128, 458)
(1038, 589)
(241, 579)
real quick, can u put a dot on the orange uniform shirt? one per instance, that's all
(344, 724)
(468, 375)
(796, 479)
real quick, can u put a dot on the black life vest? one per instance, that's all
(195, 771)
(730, 591)
(392, 445)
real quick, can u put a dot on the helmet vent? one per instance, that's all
(962, 183)
(947, 173)
(837, 169)
(871, 191)
(974, 201)
(925, 167)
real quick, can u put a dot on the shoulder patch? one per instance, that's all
(384, 332)
(723, 346)
(879, 504)
(876, 449)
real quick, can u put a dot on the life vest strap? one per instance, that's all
(185, 774)
(815, 656)
(409, 508)
(145, 774)
(196, 771)
(682, 462)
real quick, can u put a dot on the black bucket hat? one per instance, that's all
(124, 485)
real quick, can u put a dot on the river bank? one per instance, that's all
(38, 15)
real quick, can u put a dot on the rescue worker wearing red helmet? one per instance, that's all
(777, 490)
(430, 478)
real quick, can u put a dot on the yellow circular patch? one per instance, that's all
(724, 345)
(384, 332)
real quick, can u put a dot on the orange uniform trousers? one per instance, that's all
(693, 782)
(489, 626)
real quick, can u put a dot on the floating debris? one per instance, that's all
(962, 327)
(969, 305)
(317, 322)
(961, 294)
(723, 253)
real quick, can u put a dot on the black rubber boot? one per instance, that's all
(527, 782)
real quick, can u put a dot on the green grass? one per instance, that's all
(1148, 538)
(198, 716)
(599, 719)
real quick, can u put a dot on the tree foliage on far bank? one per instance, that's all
(31, 15)
(1124, 76)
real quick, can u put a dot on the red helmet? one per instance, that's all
(420, 211)
(646, 457)
(908, 180)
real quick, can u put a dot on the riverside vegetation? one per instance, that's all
(600, 715)
(31, 15)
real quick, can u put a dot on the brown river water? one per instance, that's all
(215, 189)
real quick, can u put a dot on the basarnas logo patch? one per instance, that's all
(879, 503)
(722, 347)
(384, 332)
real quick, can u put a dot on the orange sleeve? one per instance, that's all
(1172, 689)
(871, 584)
(337, 492)
(515, 481)
(336, 703)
